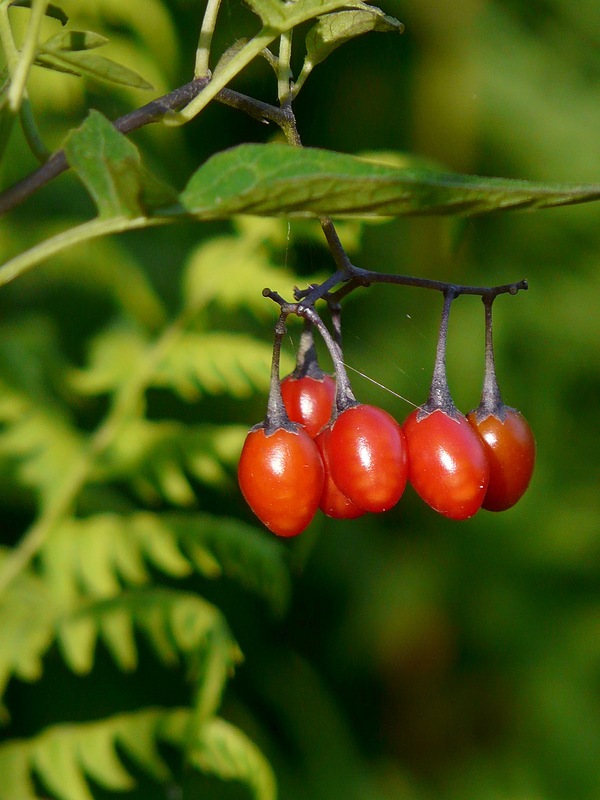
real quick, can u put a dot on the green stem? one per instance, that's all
(124, 406)
(32, 134)
(80, 233)
(284, 71)
(207, 30)
(21, 72)
(223, 76)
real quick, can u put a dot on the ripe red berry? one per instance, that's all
(367, 457)
(509, 445)
(281, 477)
(334, 503)
(309, 400)
(447, 465)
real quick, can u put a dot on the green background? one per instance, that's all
(420, 658)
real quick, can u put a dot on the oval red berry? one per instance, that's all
(281, 478)
(447, 465)
(367, 457)
(510, 450)
(309, 401)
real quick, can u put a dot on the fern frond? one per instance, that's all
(173, 622)
(216, 363)
(113, 356)
(225, 751)
(156, 457)
(98, 555)
(28, 612)
(195, 364)
(37, 440)
(231, 272)
(63, 758)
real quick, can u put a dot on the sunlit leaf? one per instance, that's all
(109, 166)
(224, 750)
(216, 363)
(73, 41)
(82, 62)
(27, 614)
(333, 30)
(275, 179)
(51, 10)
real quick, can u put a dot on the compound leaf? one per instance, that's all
(216, 363)
(27, 617)
(275, 179)
(120, 548)
(224, 750)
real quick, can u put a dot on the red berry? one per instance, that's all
(447, 465)
(333, 502)
(309, 401)
(367, 457)
(281, 477)
(510, 449)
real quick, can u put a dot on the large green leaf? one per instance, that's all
(276, 179)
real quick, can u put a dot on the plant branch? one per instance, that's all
(150, 113)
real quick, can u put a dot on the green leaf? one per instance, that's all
(216, 363)
(232, 271)
(282, 16)
(63, 757)
(73, 41)
(333, 30)
(96, 556)
(275, 179)
(155, 457)
(240, 552)
(27, 615)
(71, 54)
(51, 10)
(159, 614)
(109, 166)
(113, 354)
(224, 750)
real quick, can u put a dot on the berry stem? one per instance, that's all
(491, 399)
(307, 364)
(276, 416)
(344, 396)
(439, 392)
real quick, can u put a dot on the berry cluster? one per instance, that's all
(318, 447)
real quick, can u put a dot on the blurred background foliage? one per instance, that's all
(420, 658)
